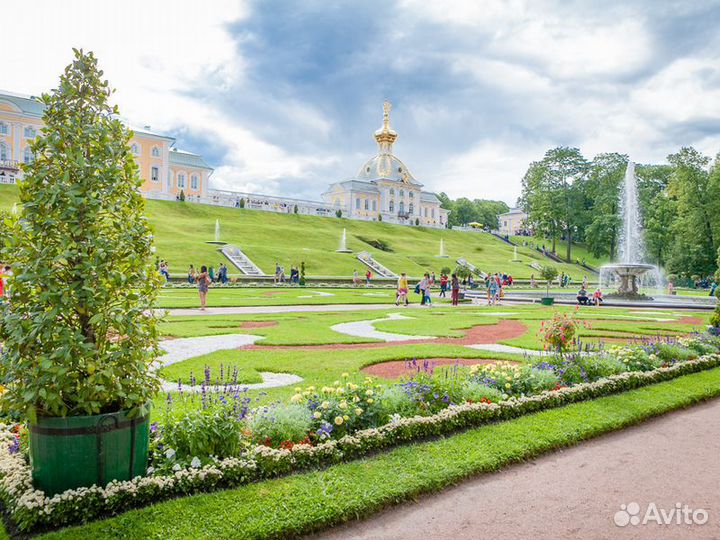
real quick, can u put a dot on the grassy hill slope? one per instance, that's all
(182, 229)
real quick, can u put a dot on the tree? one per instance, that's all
(338, 213)
(79, 334)
(601, 190)
(550, 197)
(548, 273)
(696, 226)
(295, 209)
(463, 212)
(242, 203)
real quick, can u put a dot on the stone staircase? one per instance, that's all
(472, 267)
(241, 261)
(380, 270)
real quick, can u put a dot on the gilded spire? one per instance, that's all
(386, 136)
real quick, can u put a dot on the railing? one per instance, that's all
(9, 164)
(403, 215)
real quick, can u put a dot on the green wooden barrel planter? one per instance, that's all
(79, 451)
(547, 300)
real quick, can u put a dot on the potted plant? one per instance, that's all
(548, 273)
(79, 331)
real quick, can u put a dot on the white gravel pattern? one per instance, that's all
(365, 329)
(178, 350)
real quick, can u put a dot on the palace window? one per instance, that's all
(3, 128)
(402, 192)
(432, 213)
(155, 151)
(391, 206)
(134, 149)
(402, 207)
(392, 191)
(3, 152)
(367, 204)
(399, 169)
(412, 194)
(154, 174)
(193, 182)
(29, 132)
(181, 180)
(426, 212)
(374, 206)
(411, 208)
(357, 204)
(27, 156)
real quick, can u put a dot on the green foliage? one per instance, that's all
(295, 209)
(513, 379)
(464, 211)
(463, 272)
(279, 423)
(395, 400)
(242, 203)
(79, 333)
(338, 213)
(211, 431)
(382, 245)
(635, 358)
(577, 369)
(446, 270)
(670, 352)
(548, 273)
(477, 392)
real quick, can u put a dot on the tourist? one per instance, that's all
(455, 287)
(713, 288)
(561, 279)
(585, 282)
(223, 273)
(510, 280)
(278, 270)
(492, 291)
(164, 270)
(443, 285)
(423, 288)
(671, 288)
(533, 283)
(402, 290)
(432, 279)
(203, 282)
(356, 278)
(597, 297)
(191, 274)
(368, 277)
(471, 282)
(582, 297)
(211, 274)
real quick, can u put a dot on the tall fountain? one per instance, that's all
(442, 250)
(217, 230)
(343, 243)
(630, 271)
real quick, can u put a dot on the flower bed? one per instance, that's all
(30, 509)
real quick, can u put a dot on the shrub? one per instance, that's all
(212, 431)
(671, 352)
(514, 380)
(280, 423)
(395, 400)
(635, 358)
(559, 332)
(477, 393)
(576, 368)
(548, 273)
(80, 335)
(715, 317)
(376, 243)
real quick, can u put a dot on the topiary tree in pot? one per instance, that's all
(548, 273)
(79, 330)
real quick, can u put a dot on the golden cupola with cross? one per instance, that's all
(385, 165)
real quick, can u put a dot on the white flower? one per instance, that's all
(195, 463)
(176, 467)
(170, 453)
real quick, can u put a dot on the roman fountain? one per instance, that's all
(631, 271)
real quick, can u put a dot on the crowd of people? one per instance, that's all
(280, 277)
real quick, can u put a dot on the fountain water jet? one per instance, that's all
(442, 250)
(343, 243)
(629, 272)
(217, 230)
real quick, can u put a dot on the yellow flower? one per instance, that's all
(339, 420)
(346, 417)
(325, 404)
(345, 375)
(356, 399)
(336, 383)
(369, 392)
(370, 400)
(507, 385)
(358, 411)
(298, 390)
(297, 398)
(340, 391)
(317, 414)
(343, 404)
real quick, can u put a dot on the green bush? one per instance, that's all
(279, 423)
(476, 392)
(669, 352)
(80, 334)
(376, 243)
(576, 369)
(635, 358)
(396, 400)
(213, 431)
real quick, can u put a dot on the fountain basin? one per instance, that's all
(628, 273)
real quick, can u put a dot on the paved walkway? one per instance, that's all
(263, 310)
(366, 329)
(576, 493)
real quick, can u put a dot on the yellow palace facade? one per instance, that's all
(166, 170)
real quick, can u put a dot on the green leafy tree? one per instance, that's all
(79, 332)
(601, 192)
(548, 273)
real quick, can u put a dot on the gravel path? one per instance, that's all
(577, 492)
(366, 329)
(181, 349)
(260, 310)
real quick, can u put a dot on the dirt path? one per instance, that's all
(576, 493)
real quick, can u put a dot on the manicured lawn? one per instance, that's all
(182, 230)
(303, 503)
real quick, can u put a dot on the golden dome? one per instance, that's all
(386, 136)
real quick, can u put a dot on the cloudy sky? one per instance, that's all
(282, 97)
